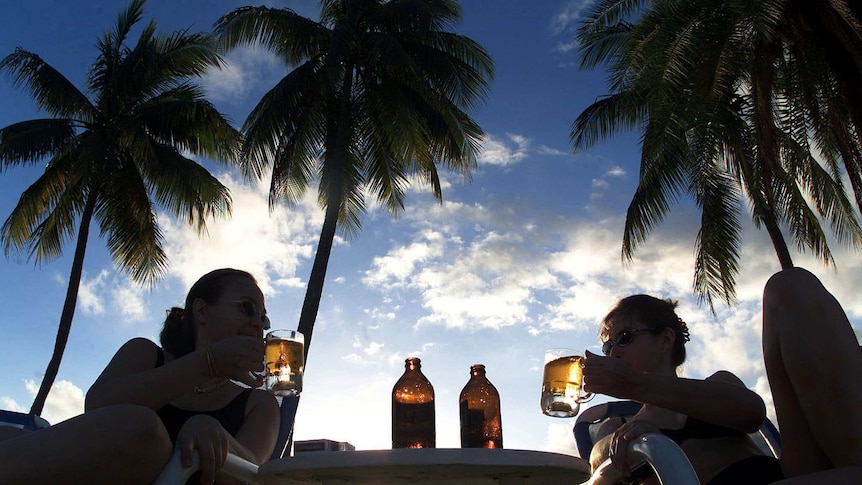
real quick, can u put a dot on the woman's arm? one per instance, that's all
(599, 452)
(254, 441)
(721, 399)
(133, 378)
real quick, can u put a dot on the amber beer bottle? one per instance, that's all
(481, 426)
(413, 409)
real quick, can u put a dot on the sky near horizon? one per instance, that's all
(524, 256)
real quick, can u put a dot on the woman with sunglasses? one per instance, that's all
(152, 399)
(644, 343)
(216, 339)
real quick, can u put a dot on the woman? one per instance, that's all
(813, 362)
(644, 342)
(150, 400)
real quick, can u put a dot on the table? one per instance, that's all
(449, 466)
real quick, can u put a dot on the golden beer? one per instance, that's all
(561, 386)
(284, 364)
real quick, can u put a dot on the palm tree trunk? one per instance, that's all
(314, 291)
(778, 242)
(767, 145)
(68, 308)
(337, 142)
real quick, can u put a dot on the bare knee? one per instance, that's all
(789, 287)
(144, 443)
(787, 297)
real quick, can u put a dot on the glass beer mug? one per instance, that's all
(562, 383)
(285, 360)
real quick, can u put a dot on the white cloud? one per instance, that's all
(354, 359)
(373, 348)
(503, 153)
(269, 245)
(571, 12)
(88, 293)
(128, 299)
(398, 265)
(247, 72)
(65, 400)
(616, 172)
(546, 150)
(10, 404)
(114, 290)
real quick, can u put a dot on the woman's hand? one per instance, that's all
(204, 434)
(237, 357)
(619, 447)
(609, 376)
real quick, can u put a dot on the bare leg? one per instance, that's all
(812, 361)
(117, 444)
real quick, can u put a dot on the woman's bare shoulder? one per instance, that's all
(725, 376)
(136, 354)
(140, 344)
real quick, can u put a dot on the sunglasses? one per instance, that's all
(249, 308)
(624, 339)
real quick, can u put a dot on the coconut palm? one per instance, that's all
(378, 92)
(115, 156)
(730, 106)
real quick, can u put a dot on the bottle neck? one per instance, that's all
(412, 364)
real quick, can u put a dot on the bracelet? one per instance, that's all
(211, 363)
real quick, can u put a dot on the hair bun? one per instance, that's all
(683, 329)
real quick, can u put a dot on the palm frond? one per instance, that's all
(33, 140)
(52, 91)
(287, 34)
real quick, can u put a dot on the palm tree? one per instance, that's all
(115, 156)
(730, 105)
(378, 91)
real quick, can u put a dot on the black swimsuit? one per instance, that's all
(230, 417)
(697, 429)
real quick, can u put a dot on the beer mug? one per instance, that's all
(562, 383)
(285, 360)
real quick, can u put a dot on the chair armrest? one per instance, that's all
(669, 462)
(175, 474)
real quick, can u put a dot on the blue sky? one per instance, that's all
(523, 257)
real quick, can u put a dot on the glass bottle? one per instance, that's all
(481, 425)
(413, 409)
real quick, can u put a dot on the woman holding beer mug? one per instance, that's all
(644, 343)
(151, 399)
(215, 340)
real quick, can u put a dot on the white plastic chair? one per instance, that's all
(665, 457)
(174, 474)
